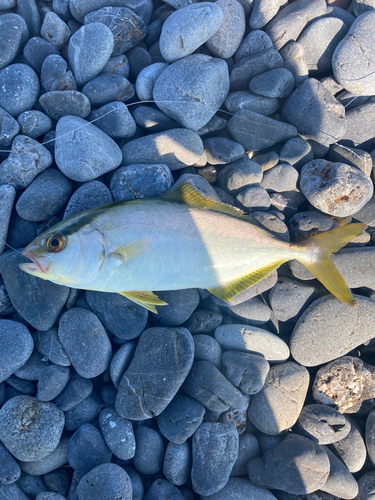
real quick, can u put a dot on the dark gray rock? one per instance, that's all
(76, 391)
(207, 349)
(176, 148)
(7, 196)
(203, 321)
(14, 35)
(52, 381)
(289, 298)
(56, 75)
(161, 489)
(161, 362)
(240, 174)
(12, 491)
(146, 79)
(32, 369)
(105, 481)
(281, 178)
(34, 123)
(255, 42)
(366, 485)
(305, 224)
(121, 316)
(28, 9)
(9, 128)
(248, 448)
(20, 86)
(216, 444)
(340, 481)
(89, 50)
(180, 306)
(83, 413)
(117, 65)
(106, 88)
(293, 55)
(246, 371)
(253, 65)
(9, 468)
(177, 463)
(240, 489)
(45, 196)
(118, 433)
(87, 449)
(322, 424)
(149, 451)
(360, 121)
(352, 449)
(153, 120)
(48, 344)
(255, 198)
(137, 484)
(121, 361)
(95, 154)
(277, 83)
(192, 102)
(140, 181)
(59, 103)
(48, 299)
(220, 150)
(244, 99)
(127, 27)
(6, 307)
(79, 8)
(90, 195)
(351, 156)
(296, 152)
(36, 50)
(21, 232)
(22, 386)
(55, 30)
(54, 460)
(42, 433)
(115, 120)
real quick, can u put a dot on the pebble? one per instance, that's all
(121, 361)
(34, 123)
(28, 9)
(52, 381)
(297, 152)
(217, 444)
(36, 50)
(254, 310)
(176, 148)
(115, 120)
(17, 346)
(89, 195)
(30, 429)
(240, 174)
(149, 451)
(45, 196)
(39, 302)
(352, 449)
(56, 75)
(240, 489)
(32, 369)
(206, 348)
(128, 29)
(146, 79)
(153, 120)
(137, 485)
(76, 391)
(12, 491)
(315, 112)
(293, 56)
(87, 449)
(366, 485)
(140, 181)
(58, 104)
(323, 424)
(277, 83)
(254, 340)
(220, 150)
(244, 99)
(7, 197)
(106, 88)
(297, 465)
(117, 65)
(10, 470)
(177, 463)
(282, 177)
(118, 434)
(55, 30)
(263, 12)
(289, 298)
(108, 481)
(253, 65)
(57, 458)
(180, 305)
(192, 102)
(161, 362)
(161, 489)
(254, 42)
(14, 35)
(20, 86)
(248, 448)
(353, 60)
(340, 481)
(89, 50)
(351, 156)
(246, 371)
(9, 128)
(360, 120)
(95, 154)
(203, 321)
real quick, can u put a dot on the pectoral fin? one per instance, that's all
(132, 250)
(228, 291)
(145, 299)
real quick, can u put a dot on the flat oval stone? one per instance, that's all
(90, 195)
(54, 460)
(278, 83)
(177, 463)
(322, 424)
(149, 451)
(188, 28)
(351, 449)
(118, 433)
(340, 481)
(16, 347)
(115, 120)
(244, 99)
(30, 429)
(162, 372)
(192, 102)
(121, 361)
(58, 103)
(20, 88)
(14, 34)
(353, 61)
(105, 481)
(240, 489)
(252, 65)
(106, 88)
(246, 371)
(95, 154)
(146, 79)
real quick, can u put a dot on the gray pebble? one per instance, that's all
(9, 128)
(30, 429)
(34, 123)
(106, 88)
(146, 79)
(253, 65)
(149, 451)
(118, 433)
(254, 310)
(33, 367)
(28, 9)
(305, 224)
(161, 362)
(137, 484)
(177, 463)
(57, 458)
(20, 87)
(76, 391)
(127, 27)
(340, 481)
(297, 152)
(17, 346)
(85, 341)
(360, 121)
(87, 449)
(351, 156)
(52, 381)
(352, 449)
(315, 112)
(56, 75)
(252, 339)
(282, 177)
(89, 50)
(207, 349)
(45, 196)
(90, 195)
(267, 160)
(240, 489)
(203, 321)
(22, 386)
(216, 444)
(366, 485)
(161, 489)
(246, 371)
(59, 103)
(277, 83)
(9, 468)
(55, 30)
(240, 174)
(176, 148)
(121, 316)
(322, 424)
(244, 99)
(335, 188)
(289, 298)
(180, 305)
(293, 55)
(153, 120)
(7, 196)
(117, 65)
(121, 361)
(14, 35)
(36, 50)
(115, 120)
(220, 150)
(84, 412)
(12, 491)
(108, 481)
(248, 448)
(48, 344)
(255, 198)
(95, 154)
(21, 232)
(256, 41)
(140, 181)
(263, 11)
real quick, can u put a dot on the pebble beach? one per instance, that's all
(266, 105)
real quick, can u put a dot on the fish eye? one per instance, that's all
(55, 243)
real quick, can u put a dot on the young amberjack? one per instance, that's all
(180, 240)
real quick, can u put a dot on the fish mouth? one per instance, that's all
(38, 265)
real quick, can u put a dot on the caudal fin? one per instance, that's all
(321, 266)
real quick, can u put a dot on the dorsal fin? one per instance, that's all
(187, 193)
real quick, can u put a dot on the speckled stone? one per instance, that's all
(177, 463)
(55, 30)
(149, 452)
(207, 349)
(118, 433)
(54, 460)
(16, 347)
(14, 34)
(115, 120)
(20, 85)
(322, 424)
(293, 56)
(244, 99)
(90, 195)
(252, 65)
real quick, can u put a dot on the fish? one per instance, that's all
(183, 239)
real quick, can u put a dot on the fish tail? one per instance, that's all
(317, 258)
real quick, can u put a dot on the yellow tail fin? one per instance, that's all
(319, 260)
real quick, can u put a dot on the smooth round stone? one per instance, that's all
(118, 433)
(59, 103)
(127, 27)
(56, 75)
(254, 310)
(87, 449)
(20, 88)
(244, 99)
(203, 321)
(263, 12)
(207, 349)
(366, 484)
(7, 196)
(297, 465)
(348, 327)
(95, 154)
(322, 424)
(76, 391)
(240, 489)
(45, 196)
(180, 305)
(289, 298)
(106, 88)
(282, 177)
(340, 481)
(85, 341)
(177, 463)
(316, 114)
(216, 444)
(293, 56)
(146, 79)
(140, 181)
(240, 174)
(351, 156)
(352, 449)
(220, 150)
(38, 301)
(90, 195)
(121, 361)
(16, 347)
(360, 121)
(335, 188)
(297, 152)
(278, 83)
(252, 339)
(34, 123)
(255, 42)
(161, 489)
(31, 370)
(319, 42)
(155, 375)
(248, 448)
(30, 429)
(246, 371)
(54, 30)
(225, 42)
(119, 315)
(176, 148)
(36, 50)
(153, 120)
(188, 28)
(117, 65)
(10, 470)
(115, 120)
(48, 344)
(57, 458)
(149, 451)
(89, 50)
(192, 102)
(52, 381)
(108, 481)
(354, 58)
(255, 198)
(9, 128)
(14, 35)
(30, 12)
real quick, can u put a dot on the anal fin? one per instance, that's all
(145, 299)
